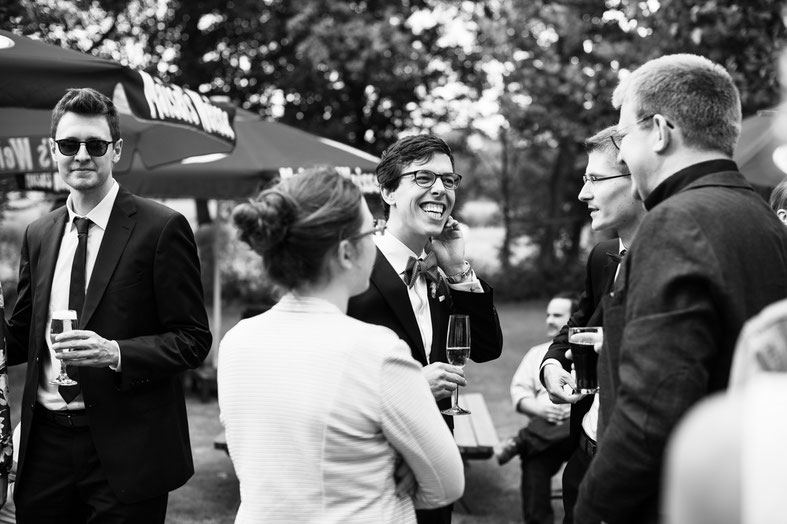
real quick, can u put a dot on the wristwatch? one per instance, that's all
(460, 277)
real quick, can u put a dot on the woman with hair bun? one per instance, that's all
(328, 419)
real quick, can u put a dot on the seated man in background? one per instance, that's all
(543, 444)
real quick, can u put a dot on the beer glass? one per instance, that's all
(584, 341)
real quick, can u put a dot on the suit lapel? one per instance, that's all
(119, 229)
(394, 292)
(439, 311)
(50, 242)
(608, 275)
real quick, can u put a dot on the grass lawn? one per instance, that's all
(491, 494)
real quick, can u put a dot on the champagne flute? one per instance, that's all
(62, 321)
(457, 349)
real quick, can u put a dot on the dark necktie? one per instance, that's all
(417, 267)
(76, 296)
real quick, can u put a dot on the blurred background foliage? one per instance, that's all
(514, 85)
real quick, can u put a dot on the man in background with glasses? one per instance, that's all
(607, 193)
(708, 255)
(421, 275)
(111, 447)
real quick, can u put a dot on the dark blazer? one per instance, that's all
(599, 276)
(387, 303)
(145, 293)
(708, 256)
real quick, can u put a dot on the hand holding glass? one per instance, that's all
(62, 322)
(457, 349)
(583, 343)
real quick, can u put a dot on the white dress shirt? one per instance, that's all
(590, 420)
(58, 298)
(319, 408)
(526, 383)
(397, 255)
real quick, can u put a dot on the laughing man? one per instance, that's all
(421, 275)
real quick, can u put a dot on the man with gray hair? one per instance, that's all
(688, 282)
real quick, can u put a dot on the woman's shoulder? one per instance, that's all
(375, 337)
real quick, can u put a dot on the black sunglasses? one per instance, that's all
(94, 147)
(426, 178)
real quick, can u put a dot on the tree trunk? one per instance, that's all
(505, 193)
(563, 164)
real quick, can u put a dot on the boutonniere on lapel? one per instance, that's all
(439, 290)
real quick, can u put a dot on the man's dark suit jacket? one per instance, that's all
(599, 276)
(387, 303)
(708, 255)
(145, 293)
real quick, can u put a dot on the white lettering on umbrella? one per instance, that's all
(170, 101)
(44, 155)
(214, 119)
(17, 154)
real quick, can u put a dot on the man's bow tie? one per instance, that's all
(417, 267)
(615, 257)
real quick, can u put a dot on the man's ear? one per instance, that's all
(782, 214)
(388, 195)
(665, 134)
(52, 150)
(116, 149)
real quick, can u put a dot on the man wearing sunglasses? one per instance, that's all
(111, 447)
(708, 255)
(421, 276)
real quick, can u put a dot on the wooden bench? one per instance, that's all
(474, 434)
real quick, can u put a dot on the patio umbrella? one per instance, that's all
(264, 150)
(160, 122)
(758, 149)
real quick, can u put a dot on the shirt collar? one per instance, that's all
(99, 215)
(395, 251)
(678, 181)
(621, 247)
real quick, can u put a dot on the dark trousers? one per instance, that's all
(63, 482)
(539, 465)
(575, 470)
(434, 516)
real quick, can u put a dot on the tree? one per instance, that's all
(561, 63)
(743, 37)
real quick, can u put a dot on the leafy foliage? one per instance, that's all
(364, 71)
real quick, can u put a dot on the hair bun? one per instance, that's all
(264, 223)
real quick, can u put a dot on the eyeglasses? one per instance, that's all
(593, 178)
(378, 228)
(94, 147)
(618, 137)
(426, 178)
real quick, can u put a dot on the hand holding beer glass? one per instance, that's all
(585, 342)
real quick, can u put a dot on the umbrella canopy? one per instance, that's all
(264, 150)
(756, 148)
(161, 123)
